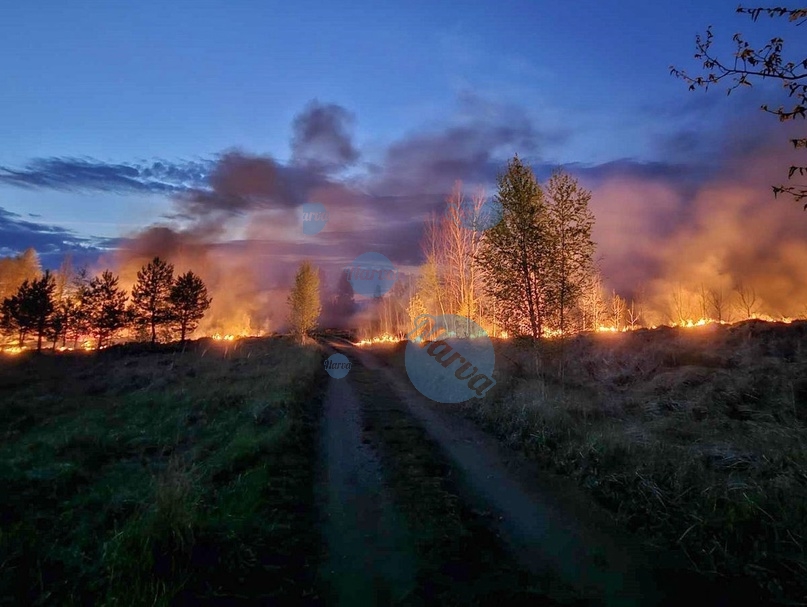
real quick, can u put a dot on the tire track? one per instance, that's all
(369, 558)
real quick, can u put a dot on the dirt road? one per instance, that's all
(422, 507)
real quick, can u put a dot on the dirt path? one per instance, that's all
(571, 550)
(368, 543)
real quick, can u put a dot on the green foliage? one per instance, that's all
(515, 254)
(151, 305)
(538, 257)
(304, 301)
(189, 302)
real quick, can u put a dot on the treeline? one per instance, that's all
(522, 265)
(71, 306)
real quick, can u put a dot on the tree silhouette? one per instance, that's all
(766, 62)
(189, 302)
(151, 305)
(76, 312)
(13, 320)
(41, 305)
(30, 309)
(105, 305)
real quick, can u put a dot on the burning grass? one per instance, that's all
(138, 477)
(693, 437)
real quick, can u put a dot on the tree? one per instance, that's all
(16, 270)
(30, 309)
(516, 254)
(570, 222)
(40, 305)
(304, 301)
(619, 309)
(634, 314)
(592, 303)
(105, 305)
(12, 319)
(189, 302)
(720, 305)
(151, 305)
(767, 62)
(747, 300)
(76, 312)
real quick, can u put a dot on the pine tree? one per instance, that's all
(11, 316)
(304, 301)
(516, 252)
(189, 302)
(105, 305)
(151, 305)
(77, 321)
(40, 305)
(30, 309)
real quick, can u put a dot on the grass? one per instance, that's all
(135, 476)
(694, 438)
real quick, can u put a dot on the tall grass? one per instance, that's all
(694, 438)
(150, 477)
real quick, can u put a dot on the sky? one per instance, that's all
(218, 120)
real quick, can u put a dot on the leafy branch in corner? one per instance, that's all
(766, 62)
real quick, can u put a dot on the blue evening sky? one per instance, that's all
(138, 82)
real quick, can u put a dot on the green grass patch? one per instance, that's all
(159, 476)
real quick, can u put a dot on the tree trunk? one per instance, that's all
(153, 331)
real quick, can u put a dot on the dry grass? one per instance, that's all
(694, 438)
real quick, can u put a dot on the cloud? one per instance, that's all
(82, 175)
(322, 138)
(51, 242)
(241, 182)
(677, 219)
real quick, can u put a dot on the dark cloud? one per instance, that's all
(431, 162)
(322, 138)
(242, 182)
(51, 242)
(77, 174)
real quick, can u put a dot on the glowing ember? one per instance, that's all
(220, 337)
(13, 350)
(386, 338)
